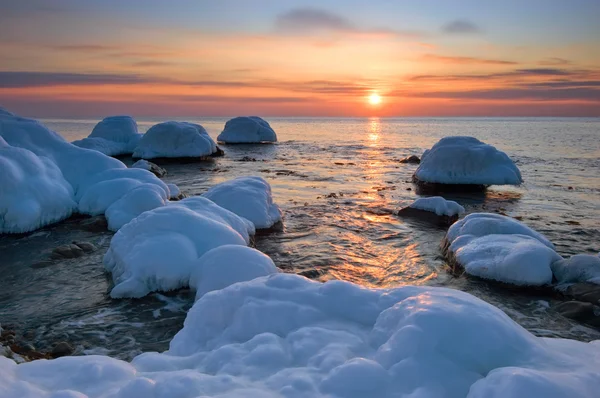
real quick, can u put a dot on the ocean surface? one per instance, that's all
(337, 181)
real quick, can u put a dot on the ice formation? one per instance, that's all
(45, 178)
(496, 247)
(248, 197)
(175, 140)
(577, 269)
(247, 130)
(439, 206)
(466, 160)
(286, 336)
(113, 136)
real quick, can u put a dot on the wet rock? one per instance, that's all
(587, 292)
(94, 224)
(412, 159)
(62, 349)
(154, 168)
(580, 312)
(67, 251)
(247, 159)
(87, 247)
(22, 347)
(332, 195)
(310, 273)
(433, 188)
(427, 216)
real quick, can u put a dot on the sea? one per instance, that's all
(338, 182)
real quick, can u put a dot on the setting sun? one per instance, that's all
(374, 99)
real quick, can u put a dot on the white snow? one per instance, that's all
(439, 206)
(466, 160)
(229, 264)
(496, 247)
(113, 136)
(248, 197)
(247, 130)
(286, 336)
(158, 250)
(174, 191)
(578, 268)
(175, 140)
(48, 178)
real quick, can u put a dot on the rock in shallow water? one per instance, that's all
(412, 159)
(62, 349)
(580, 312)
(588, 292)
(428, 216)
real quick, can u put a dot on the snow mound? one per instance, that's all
(113, 136)
(496, 247)
(248, 197)
(284, 335)
(466, 160)
(49, 178)
(439, 206)
(229, 264)
(175, 140)
(577, 269)
(158, 250)
(247, 130)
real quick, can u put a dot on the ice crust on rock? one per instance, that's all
(248, 197)
(466, 161)
(286, 336)
(577, 269)
(159, 250)
(500, 248)
(113, 136)
(50, 178)
(175, 140)
(439, 206)
(247, 130)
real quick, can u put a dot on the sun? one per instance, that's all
(374, 99)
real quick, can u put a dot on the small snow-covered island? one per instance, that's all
(254, 330)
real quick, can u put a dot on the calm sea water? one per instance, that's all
(350, 235)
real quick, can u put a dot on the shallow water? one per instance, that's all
(351, 235)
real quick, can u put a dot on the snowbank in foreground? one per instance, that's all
(175, 140)
(496, 247)
(247, 130)
(49, 178)
(248, 197)
(113, 136)
(577, 269)
(286, 336)
(229, 264)
(158, 250)
(439, 206)
(466, 160)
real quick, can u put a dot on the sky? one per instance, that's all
(87, 58)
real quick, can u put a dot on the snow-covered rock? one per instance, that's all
(577, 269)
(439, 206)
(284, 335)
(496, 247)
(229, 264)
(175, 140)
(466, 161)
(113, 136)
(146, 165)
(248, 197)
(247, 130)
(175, 192)
(158, 250)
(49, 178)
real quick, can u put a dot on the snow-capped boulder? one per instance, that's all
(577, 269)
(158, 250)
(283, 335)
(113, 136)
(496, 247)
(248, 197)
(466, 161)
(49, 178)
(152, 167)
(229, 264)
(247, 130)
(434, 209)
(175, 140)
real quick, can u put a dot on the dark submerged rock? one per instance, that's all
(434, 188)
(412, 159)
(580, 311)
(94, 224)
(67, 251)
(587, 292)
(62, 349)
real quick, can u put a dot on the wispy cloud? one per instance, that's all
(315, 20)
(581, 94)
(461, 26)
(46, 79)
(466, 60)
(554, 61)
(528, 72)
